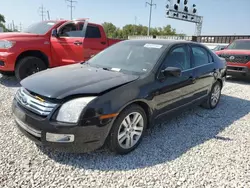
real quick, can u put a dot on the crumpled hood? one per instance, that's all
(7, 35)
(58, 83)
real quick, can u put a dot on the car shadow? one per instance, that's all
(165, 142)
(239, 80)
(9, 81)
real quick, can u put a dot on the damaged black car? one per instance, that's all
(115, 96)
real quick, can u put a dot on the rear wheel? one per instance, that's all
(214, 96)
(28, 66)
(128, 130)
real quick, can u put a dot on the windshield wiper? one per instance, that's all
(104, 68)
(111, 69)
(84, 62)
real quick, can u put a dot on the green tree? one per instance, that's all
(110, 29)
(2, 19)
(130, 29)
(2, 23)
(168, 30)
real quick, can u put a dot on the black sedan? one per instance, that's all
(114, 97)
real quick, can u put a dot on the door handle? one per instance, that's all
(77, 43)
(103, 43)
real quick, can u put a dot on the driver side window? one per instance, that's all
(70, 30)
(178, 57)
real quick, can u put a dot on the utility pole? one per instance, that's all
(135, 25)
(151, 4)
(13, 25)
(48, 15)
(71, 6)
(20, 27)
(42, 12)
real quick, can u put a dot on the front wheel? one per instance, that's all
(128, 130)
(28, 66)
(214, 96)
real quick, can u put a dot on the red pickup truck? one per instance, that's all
(237, 55)
(50, 44)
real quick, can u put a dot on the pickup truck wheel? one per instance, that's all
(127, 130)
(28, 66)
(7, 73)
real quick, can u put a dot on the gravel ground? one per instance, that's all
(199, 148)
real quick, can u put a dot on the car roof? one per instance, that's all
(162, 41)
(242, 39)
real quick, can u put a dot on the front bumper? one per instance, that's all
(7, 60)
(36, 128)
(238, 70)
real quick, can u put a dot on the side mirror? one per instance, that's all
(54, 33)
(222, 48)
(172, 71)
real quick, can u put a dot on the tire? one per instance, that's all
(7, 73)
(28, 66)
(118, 129)
(210, 103)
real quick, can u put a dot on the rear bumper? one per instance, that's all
(7, 61)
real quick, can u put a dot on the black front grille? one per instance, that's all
(236, 58)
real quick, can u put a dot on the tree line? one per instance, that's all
(115, 32)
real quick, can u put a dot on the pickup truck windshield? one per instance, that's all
(132, 57)
(240, 45)
(40, 28)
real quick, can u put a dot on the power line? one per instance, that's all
(151, 4)
(42, 12)
(71, 6)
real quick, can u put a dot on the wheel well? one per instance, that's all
(146, 109)
(220, 81)
(34, 53)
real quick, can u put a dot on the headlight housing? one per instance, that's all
(70, 111)
(5, 44)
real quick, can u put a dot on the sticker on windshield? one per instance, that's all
(116, 69)
(153, 46)
(50, 23)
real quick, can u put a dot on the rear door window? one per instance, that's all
(200, 56)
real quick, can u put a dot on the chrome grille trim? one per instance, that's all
(237, 58)
(28, 101)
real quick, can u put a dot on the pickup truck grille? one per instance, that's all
(33, 103)
(236, 58)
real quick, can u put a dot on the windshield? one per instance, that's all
(219, 47)
(40, 28)
(130, 56)
(240, 45)
(216, 48)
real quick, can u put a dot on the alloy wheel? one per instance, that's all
(215, 95)
(130, 130)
